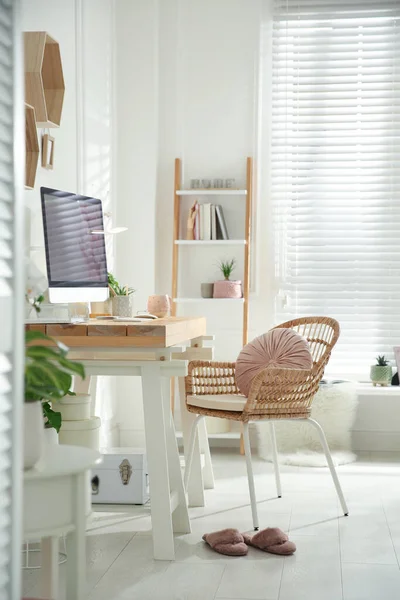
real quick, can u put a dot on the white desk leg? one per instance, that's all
(195, 485)
(157, 459)
(180, 516)
(76, 545)
(208, 474)
(49, 569)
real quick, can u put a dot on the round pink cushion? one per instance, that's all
(276, 348)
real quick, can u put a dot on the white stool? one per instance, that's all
(54, 504)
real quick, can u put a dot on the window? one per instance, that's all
(336, 170)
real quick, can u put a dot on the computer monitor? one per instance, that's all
(75, 247)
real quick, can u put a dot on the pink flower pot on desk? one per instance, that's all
(228, 289)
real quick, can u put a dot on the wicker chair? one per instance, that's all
(275, 393)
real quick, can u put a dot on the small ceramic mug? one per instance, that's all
(159, 306)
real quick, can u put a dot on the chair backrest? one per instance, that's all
(322, 333)
(287, 394)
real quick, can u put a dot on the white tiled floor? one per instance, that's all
(337, 558)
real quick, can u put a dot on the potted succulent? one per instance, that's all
(121, 298)
(48, 378)
(227, 288)
(381, 373)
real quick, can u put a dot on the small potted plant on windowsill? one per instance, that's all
(381, 373)
(121, 298)
(48, 378)
(227, 288)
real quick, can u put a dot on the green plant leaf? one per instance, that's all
(37, 377)
(117, 288)
(53, 418)
(42, 352)
(30, 336)
(36, 352)
(75, 367)
(38, 392)
(227, 267)
(48, 371)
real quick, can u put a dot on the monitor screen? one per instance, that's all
(75, 253)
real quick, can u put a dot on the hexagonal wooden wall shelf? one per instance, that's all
(44, 80)
(31, 147)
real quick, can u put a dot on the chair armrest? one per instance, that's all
(279, 385)
(211, 377)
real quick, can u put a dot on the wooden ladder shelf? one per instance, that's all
(178, 194)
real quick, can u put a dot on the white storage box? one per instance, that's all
(121, 478)
(74, 408)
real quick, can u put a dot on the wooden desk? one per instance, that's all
(148, 350)
(157, 333)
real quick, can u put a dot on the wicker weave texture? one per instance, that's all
(275, 392)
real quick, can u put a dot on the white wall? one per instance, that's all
(188, 80)
(209, 61)
(84, 141)
(183, 80)
(136, 92)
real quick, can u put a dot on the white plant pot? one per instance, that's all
(74, 408)
(33, 434)
(81, 433)
(50, 436)
(122, 306)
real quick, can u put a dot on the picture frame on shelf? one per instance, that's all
(48, 151)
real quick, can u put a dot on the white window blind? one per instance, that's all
(336, 170)
(11, 299)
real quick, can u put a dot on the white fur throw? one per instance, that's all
(334, 407)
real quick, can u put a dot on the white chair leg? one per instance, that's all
(190, 453)
(208, 474)
(332, 469)
(250, 475)
(275, 459)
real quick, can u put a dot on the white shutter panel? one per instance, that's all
(11, 299)
(336, 170)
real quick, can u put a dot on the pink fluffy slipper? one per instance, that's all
(271, 540)
(227, 541)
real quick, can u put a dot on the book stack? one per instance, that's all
(209, 222)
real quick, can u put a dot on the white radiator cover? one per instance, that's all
(377, 423)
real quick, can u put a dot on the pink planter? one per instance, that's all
(228, 289)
